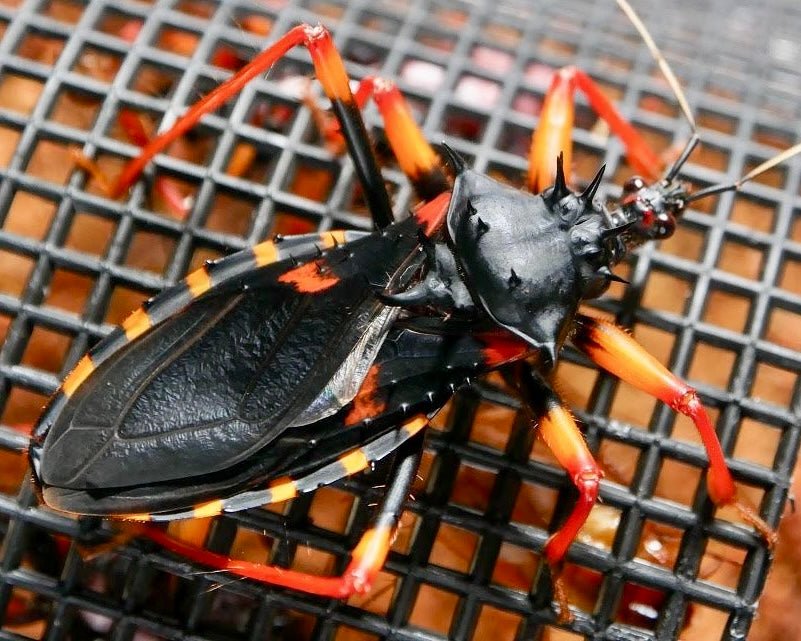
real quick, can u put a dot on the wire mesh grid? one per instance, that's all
(720, 303)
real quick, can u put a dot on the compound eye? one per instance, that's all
(633, 184)
(665, 225)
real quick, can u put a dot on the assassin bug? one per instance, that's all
(304, 359)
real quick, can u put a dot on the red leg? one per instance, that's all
(166, 188)
(553, 135)
(618, 353)
(367, 558)
(330, 71)
(560, 432)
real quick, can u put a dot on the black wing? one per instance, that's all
(210, 385)
(415, 372)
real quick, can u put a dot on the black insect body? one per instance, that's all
(284, 360)
(528, 261)
(219, 395)
(185, 410)
(297, 362)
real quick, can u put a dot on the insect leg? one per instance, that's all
(331, 73)
(367, 558)
(556, 122)
(618, 353)
(561, 434)
(415, 156)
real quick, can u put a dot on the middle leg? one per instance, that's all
(563, 438)
(618, 353)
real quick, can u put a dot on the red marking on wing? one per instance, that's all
(309, 278)
(499, 349)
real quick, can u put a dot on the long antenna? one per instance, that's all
(660, 61)
(692, 143)
(667, 72)
(756, 171)
(672, 81)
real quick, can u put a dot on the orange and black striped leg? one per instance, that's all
(553, 135)
(330, 71)
(561, 434)
(618, 353)
(415, 156)
(367, 558)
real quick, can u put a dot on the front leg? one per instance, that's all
(618, 353)
(553, 134)
(367, 558)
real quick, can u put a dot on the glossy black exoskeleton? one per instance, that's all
(525, 262)
(300, 361)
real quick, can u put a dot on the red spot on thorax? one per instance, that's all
(499, 349)
(431, 215)
(309, 278)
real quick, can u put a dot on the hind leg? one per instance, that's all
(367, 558)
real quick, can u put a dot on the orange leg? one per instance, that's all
(415, 156)
(367, 558)
(618, 353)
(553, 135)
(330, 71)
(560, 432)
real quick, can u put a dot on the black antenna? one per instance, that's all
(672, 81)
(711, 191)
(756, 171)
(692, 143)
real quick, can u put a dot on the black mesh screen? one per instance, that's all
(720, 302)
